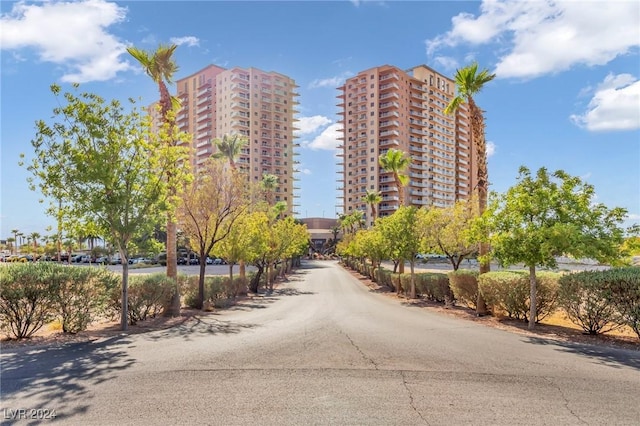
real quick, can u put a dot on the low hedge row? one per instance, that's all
(32, 295)
(597, 301)
(600, 301)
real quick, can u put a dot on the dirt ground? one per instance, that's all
(556, 328)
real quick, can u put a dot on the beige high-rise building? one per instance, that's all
(386, 107)
(257, 104)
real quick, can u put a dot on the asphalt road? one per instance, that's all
(323, 349)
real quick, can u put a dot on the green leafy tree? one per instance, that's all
(161, 67)
(551, 215)
(470, 82)
(102, 162)
(402, 229)
(448, 230)
(209, 209)
(395, 162)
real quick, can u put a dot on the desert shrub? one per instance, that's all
(509, 291)
(435, 287)
(547, 284)
(383, 277)
(148, 295)
(587, 300)
(80, 294)
(26, 298)
(215, 290)
(624, 284)
(464, 285)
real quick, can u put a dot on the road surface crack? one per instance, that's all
(565, 400)
(411, 403)
(364, 356)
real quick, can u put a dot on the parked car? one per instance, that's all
(102, 260)
(219, 261)
(209, 261)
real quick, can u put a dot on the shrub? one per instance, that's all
(148, 295)
(80, 294)
(586, 298)
(507, 291)
(625, 294)
(435, 287)
(26, 298)
(510, 292)
(464, 285)
(215, 290)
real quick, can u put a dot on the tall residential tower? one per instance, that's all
(386, 107)
(257, 104)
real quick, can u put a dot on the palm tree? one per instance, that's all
(372, 198)
(394, 161)
(469, 83)
(269, 184)
(161, 67)
(279, 208)
(230, 147)
(34, 237)
(15, 233)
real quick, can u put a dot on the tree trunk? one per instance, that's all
(233, 288)
(172, 268)
(413, 280)
(124, 317)
(477, 138)
(200, 301)
(255, 281)
(532, 297)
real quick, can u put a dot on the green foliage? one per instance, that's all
(215, 291)
(26, 298)
(148, 295)
(435, 287)
(464, 285)
(625, 294)
(448, 230)
(586, 297)
(600, 301)
(550, 215)
(509, 292)
(80, 294)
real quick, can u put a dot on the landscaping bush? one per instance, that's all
(587, 299)
(509, 291)
(215, 290)
(148, 295)
(26, 298)
(464, 285)
(383, 277)
(80, 294)
(435, 287)
(625, 294)
(506, 291)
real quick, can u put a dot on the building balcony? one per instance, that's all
(392, 76)
(202, 109)
(389, 133)
(385, 105)
(386, 142)
(389, 96)
(203, 126)
(389, 86)
(203, 92)
(203, 101)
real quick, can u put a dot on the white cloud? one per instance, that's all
(70, 34)
(188, 40)
(331, 82)
(307, 125)
(615, 105)
(491, 149)
(328, 139)
(305, 171)
(547, 36)
(446, 62)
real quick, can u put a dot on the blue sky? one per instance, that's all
(566, 96)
